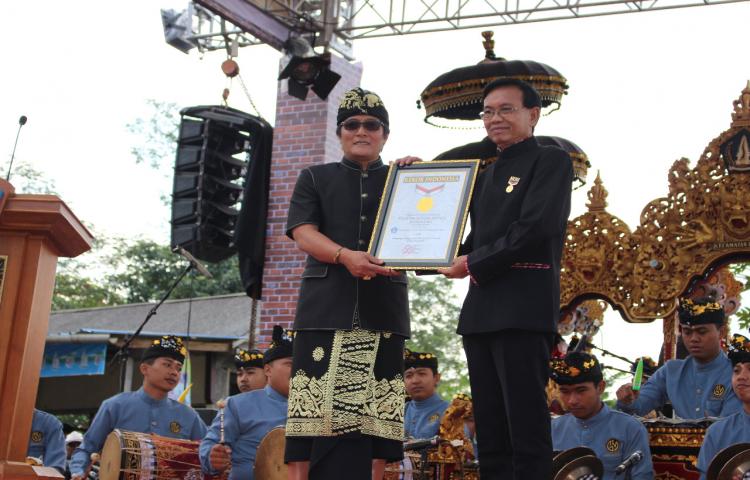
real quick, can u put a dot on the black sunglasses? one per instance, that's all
(370, 125)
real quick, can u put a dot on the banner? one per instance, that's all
(69, 359)
(181, 392)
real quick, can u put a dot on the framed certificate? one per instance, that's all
(422, 214)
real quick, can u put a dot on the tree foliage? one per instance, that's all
(145, 270)
(741, 272)
(156, 140)
(27, 179)
(434, 311)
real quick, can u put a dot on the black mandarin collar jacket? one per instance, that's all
(342, 200)
(515, 244)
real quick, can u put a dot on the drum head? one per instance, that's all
(269, 459)
(722, 458)
(737, 467)
(111, 459)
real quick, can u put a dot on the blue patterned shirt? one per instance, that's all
(612, 435)
(47, 441)
(422, 417)
(722, 434)
(248, 417)
(695, 390)
(137, 412)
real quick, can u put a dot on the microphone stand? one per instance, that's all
(123, 352)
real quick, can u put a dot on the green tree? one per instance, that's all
(741, 272)
(145, 270)
(156, 140)
(27, 179)
(75, 289)
(434, 311)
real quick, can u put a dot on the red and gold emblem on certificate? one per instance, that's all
(425, 203)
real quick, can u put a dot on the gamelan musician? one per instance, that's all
(614, 436)
(147, 410)
(698, 386)
(734, 428)
(424, 411)
(47, 441)
(246, 418)
(250, 372)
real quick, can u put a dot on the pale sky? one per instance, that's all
(645, 90)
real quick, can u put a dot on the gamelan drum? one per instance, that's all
(576, 463)
(402, 470)
(269, 459)
(675, 444)
(140, 456)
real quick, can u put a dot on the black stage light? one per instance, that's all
(311, 71)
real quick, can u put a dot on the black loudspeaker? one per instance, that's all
(213, 151)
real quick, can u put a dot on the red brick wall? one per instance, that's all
(304, 134)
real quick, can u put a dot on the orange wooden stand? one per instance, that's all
(34, 231)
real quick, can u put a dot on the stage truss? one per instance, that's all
(337, 24)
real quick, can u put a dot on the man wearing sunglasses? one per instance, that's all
(346, 401)
(519, 215)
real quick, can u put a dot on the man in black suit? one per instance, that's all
(519, 216)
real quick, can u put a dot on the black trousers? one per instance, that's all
(508, 372)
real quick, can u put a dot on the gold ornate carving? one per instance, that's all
(702, 223)
(347, 397)
(585, 319)
(452, 428)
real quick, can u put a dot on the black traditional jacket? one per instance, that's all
(519, 214)
(342, 200)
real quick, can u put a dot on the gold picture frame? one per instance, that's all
(422, 214)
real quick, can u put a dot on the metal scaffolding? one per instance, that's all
(336, 23)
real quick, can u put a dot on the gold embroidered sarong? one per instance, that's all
(346, 381)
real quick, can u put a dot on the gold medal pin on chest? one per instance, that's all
(512, 182)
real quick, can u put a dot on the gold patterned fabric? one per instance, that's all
(347, 382)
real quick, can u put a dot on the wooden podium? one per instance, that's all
(34, 231)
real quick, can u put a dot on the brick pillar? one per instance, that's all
(304, 134)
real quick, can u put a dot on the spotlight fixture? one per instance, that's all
(306, 70)
(178, 28)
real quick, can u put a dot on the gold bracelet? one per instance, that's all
(337, 255)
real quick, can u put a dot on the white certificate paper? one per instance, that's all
(424, 215)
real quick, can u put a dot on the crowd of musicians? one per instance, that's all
(339, 383)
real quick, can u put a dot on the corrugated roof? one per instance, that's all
(220, 317)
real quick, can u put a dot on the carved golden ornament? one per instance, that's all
(585, 319)
(452, 428)
(702, 223)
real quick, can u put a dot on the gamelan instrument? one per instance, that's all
(269, 459)
(732, 463)
(139, 456)
(675, 444)
(576, 463)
